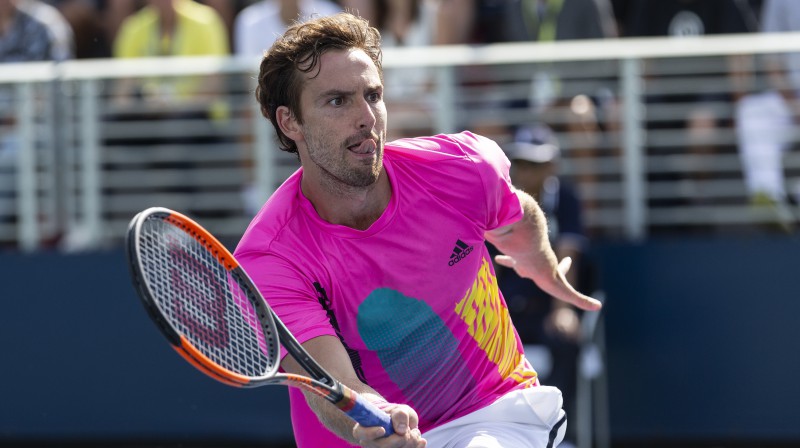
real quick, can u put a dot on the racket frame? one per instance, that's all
(319, 381)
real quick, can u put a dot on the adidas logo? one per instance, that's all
(459, 252)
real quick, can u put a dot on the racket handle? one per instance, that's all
(365, 413)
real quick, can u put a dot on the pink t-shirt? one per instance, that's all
(414, 298)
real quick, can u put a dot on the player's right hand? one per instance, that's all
(406, 431)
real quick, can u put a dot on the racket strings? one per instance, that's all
(204, 302)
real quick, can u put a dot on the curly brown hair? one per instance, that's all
(298, 51)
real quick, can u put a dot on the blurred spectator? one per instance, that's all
(401, 22)
(491, 21)
(228, 10)
(32, 31)
(702, 111)
(685, 18)
(175, 28)
(94, 23)
(60, 31)
(171, 28)
(29, 31)
(255, 29)
(583, 114)
(404, 23)
(541, 320)
(257, 26)
(766, 118)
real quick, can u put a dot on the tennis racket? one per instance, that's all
(212, 314)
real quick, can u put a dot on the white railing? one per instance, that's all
(79, 157)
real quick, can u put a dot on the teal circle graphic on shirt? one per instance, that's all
(415, 347)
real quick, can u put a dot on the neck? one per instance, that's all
(167, 19)
(354, 207)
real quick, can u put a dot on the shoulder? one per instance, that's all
(461, 157)
(134, 25)
(198, 12)
(444, 147)
(43, 13)
(30, 22)
(25, 21)
(146, 16)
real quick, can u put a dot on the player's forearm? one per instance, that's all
(526, 248)
(333, 418)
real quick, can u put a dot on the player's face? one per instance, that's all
(344, 120)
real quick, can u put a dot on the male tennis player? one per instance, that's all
(373, 255)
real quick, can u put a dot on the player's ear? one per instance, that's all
(288, 123)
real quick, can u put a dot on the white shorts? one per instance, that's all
(526, 418)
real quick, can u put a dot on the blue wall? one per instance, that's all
(81, 360)
(702, 339)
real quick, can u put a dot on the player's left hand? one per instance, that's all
(553, 283)
(406, 431)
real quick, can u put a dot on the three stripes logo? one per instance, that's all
(460, 251)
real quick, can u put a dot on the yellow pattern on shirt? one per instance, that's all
(489, 323)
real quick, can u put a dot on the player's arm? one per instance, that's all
(527, 250)
(332, 356)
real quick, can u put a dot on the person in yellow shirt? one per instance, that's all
(193, 108)
(171, 28)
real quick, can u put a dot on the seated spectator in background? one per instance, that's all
(584, 112)
(172, 28)
(32, 31)
(255, 29)
(766, 118)
(60, 30)
(401, 22)
(702, 120)
(405, 23)
(540, 319)
(29, 32)
(94, 23)
(228, 10)
(489, 21)
(176, 28)
(257, 26)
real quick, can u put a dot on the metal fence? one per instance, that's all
(84, 145)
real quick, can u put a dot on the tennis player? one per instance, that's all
(373, 255)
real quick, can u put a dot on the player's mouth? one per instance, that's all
(365, 147)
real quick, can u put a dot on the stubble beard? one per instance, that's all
(337, 173)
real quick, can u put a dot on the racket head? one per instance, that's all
(201, 299)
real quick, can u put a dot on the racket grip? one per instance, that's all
(367, 414)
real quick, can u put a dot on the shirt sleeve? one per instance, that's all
(296, 305)
(502, 206)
